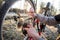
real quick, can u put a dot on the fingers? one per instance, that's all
(30, 25)
(31, 14)
(26, 29)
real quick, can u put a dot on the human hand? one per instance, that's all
(32, 32)
(31, 14)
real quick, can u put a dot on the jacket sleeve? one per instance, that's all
(48, 20)
(57, 17)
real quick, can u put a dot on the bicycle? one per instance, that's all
(4, 9)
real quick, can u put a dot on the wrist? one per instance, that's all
(36, 37)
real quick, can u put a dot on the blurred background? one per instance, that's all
(17, 14)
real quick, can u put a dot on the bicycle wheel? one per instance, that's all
(4, 9)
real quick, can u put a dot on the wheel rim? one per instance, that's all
(3, 11)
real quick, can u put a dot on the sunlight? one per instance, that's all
(19, 4)
(55, 3)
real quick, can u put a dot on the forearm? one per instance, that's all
(48, 20)
(37, 37)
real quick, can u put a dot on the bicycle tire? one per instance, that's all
(4, 9)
